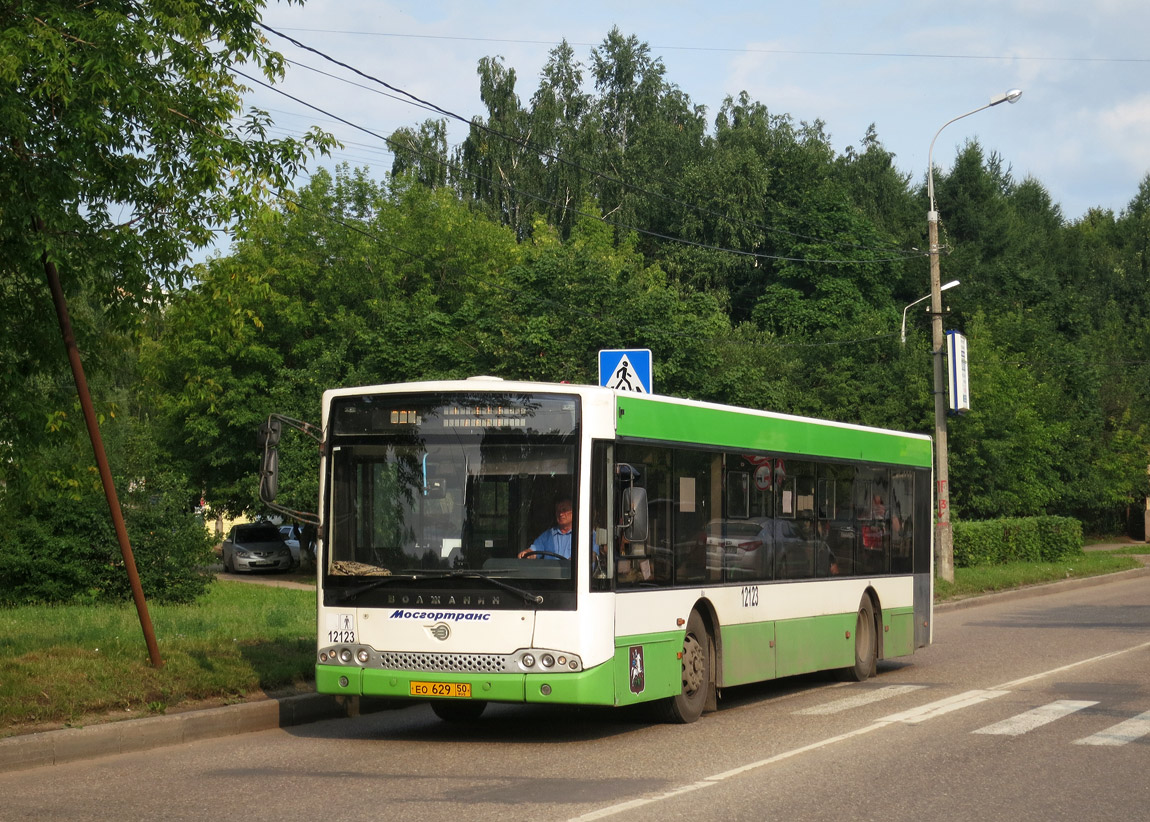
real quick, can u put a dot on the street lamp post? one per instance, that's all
(943, 541)
(944, 287)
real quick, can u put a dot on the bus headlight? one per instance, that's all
(537, 659)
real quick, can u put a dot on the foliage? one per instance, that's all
(1031, 539)
(318, 295)
(603, 211)
(64, 549)
(124, 146)
(62, 545)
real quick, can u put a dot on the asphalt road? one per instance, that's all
(1024, 709)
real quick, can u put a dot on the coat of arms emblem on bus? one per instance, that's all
(636, 664)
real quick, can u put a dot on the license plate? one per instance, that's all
(458, 690)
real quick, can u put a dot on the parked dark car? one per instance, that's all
(257, 546)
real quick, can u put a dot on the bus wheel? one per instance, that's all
(866, 645)
(688, 705)
(463, 710)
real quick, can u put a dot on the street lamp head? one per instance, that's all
(1010, 97)
(951, 284)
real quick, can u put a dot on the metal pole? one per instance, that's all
(101, 458)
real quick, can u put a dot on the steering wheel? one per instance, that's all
(551, 554)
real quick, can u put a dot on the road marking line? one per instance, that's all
(942, 706)
(1027, 679)
(719, 778)
(857, 701)
(935, 709)
(1035, 718)
(1120, 734)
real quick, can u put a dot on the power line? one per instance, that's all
(524, 144)
(731, 50)
(571, 209)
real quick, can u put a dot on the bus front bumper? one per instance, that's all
(591, 687)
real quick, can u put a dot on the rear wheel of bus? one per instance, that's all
(866, 644)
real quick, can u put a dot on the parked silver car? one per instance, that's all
(257, 546)
(291, 535)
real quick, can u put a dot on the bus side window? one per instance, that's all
(648, 561)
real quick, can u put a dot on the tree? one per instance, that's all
(119, 156)
(124, 142)
(498, 159)
(1006, 454)
(422, 153)
(350, 283)
(558, 129)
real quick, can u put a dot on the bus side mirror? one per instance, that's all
(633, 522)
(268, 437)
(269, 474)
(269, 434)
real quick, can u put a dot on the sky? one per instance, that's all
(1081, 127)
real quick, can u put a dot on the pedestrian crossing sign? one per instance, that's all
(626, 370)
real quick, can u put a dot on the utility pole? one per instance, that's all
(943, 537)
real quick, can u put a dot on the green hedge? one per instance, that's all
(1027, 539)
(65, 551)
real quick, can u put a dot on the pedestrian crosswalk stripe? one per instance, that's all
(942, 706)
(1035, 718)
(1123, 733)
(1120, 734)
(858, 700)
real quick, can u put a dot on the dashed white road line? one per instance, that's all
(1120, 734)
(914, 716)
(858, 700)
(942, 706)
(1036, 718)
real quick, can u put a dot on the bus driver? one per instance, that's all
(555, 542)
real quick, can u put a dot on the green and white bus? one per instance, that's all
(710, 546)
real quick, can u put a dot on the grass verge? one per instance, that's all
(63, 665)
(987, 579)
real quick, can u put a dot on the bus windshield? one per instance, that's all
(428, 486)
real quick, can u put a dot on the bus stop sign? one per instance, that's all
(626, 370)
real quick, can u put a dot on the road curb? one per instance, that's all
(133, 735)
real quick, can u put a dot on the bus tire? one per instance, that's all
(688, 705)
(458, 710)
(866, 644)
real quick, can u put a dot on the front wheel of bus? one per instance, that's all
(696, 664)
(866, 644)
(450, 710)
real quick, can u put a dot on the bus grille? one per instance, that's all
(455, 663)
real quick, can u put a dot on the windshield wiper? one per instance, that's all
(528, 597)
(377, 583)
